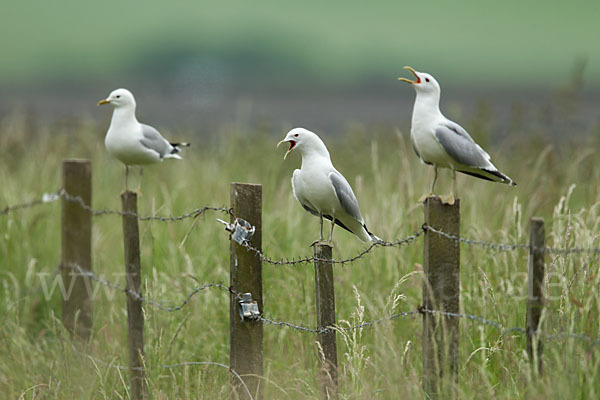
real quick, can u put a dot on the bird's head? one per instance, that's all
(424, 83)
(303, 140)
(119, 98)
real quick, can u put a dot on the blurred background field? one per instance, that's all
(324, 65)
(232, 78)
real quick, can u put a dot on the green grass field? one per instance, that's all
(39, 361)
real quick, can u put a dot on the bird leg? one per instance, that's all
(321, 216)
(321, 238)
(450, 199)
(322, 241)
(126, 175)
(139, 188)
(332, 226)
(435, 175)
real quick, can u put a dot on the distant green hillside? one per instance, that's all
(472, 42)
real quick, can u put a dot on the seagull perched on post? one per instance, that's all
(442, 143)
(131, 142)
(321, 189)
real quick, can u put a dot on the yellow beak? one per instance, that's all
(287, 152)
(413, 72)
(104, 101)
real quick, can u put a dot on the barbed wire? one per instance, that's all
(51, 197)
(481, 243)
(86, 273)
(310, 259)
(511, 247)
(506, 331)
(270, 321)
(372, 324)
(577, 336)
(419, 311)
(495, 246)
(46, 198)
(191, 214)
(329, 329)
(475, 318)
(322, 330)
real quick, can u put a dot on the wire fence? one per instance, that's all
(196, 212)
(512, 247)
(406, 241)
(478, 320)
(151, 302)
(410, 239)
(248, 306)
(46, 198)
(62, 194)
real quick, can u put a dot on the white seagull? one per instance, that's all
(442, 143)
(131, 142)
(321, 189)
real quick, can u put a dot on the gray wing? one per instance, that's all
(345, 195)
(460, 146)
(154, 141)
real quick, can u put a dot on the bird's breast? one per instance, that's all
(124, 144)
(427, 146)
(316, 188)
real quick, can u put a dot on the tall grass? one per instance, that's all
(38, 359)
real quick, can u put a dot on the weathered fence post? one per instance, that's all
(535, 296)
(246, 336)
(135, 314)
(325, 299)
(441, 292)
(77, 248)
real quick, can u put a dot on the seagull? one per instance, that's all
(443, 143)
(321, 189)
(133, 143)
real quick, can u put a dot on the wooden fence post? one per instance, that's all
(246, 337)
(325, 299)
(135, 314)
(535, 296)
(76, 240)
(441, 291)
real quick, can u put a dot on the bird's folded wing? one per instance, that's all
(345, 195)
(461, 147)
(154, 141)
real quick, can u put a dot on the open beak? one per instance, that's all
(418, 80)
(104, 101)
(292, 144)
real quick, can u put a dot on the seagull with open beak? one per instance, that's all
(321, 189)
(443, 143)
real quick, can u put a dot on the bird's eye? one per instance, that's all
(426, 79)
(119, 96)
(296, 135)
